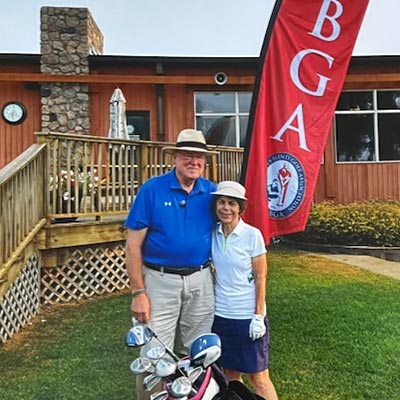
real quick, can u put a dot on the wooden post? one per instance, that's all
(214, 169)
(144, 156)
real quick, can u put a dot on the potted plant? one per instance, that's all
(64, 186)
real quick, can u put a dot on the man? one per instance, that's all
(284, 176)
(168, 247)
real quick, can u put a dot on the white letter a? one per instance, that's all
(298, 113)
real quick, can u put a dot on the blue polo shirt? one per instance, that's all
(179, 224)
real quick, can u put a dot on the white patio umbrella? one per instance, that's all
(118, 127)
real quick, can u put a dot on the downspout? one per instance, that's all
(160, 106)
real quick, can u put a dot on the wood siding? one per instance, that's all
(14, 139)
(138, 97)
(368, 181)
(341, 183)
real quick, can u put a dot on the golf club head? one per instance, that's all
(150, 381)
(138, 335)
(155, 353)
(194, 373)
(183, 364)
(165, 368)
(141, 365)
(205, 350)
(163, 395)
(180, 387)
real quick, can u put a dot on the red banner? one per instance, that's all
(303, 64)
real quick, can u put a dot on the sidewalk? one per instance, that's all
(373, 264)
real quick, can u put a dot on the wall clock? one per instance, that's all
(14, 112)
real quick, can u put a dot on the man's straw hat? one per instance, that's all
(189, 140)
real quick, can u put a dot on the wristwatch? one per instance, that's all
(137, 292)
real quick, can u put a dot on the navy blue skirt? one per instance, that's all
(239, 352)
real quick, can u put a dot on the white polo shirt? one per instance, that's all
(235, 294)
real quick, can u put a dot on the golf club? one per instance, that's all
(138, 336)
(194, 373)
(205, 350)
(168, 350)
(183, 364)
(162, 365)
(163, 395)
(180, 387)
(150, 381)
(141, 365)
(165, 368)
(141, 334)
(154, 354)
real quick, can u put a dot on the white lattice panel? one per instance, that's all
(21, 302)
(88, 271)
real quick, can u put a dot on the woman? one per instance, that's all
(238, 253)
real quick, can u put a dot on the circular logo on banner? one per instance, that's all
(285, 185)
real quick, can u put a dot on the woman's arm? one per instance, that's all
(259, 265)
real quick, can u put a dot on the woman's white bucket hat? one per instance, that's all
(231, 189)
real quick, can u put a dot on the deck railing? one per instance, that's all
(22, 204)
(91, 176)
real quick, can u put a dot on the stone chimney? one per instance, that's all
(68, 36)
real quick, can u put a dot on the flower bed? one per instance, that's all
(367, 227)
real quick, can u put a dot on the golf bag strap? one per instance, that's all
(237, 388)
(219, 376)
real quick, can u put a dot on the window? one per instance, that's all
(223, 116)
(138, 123)
(367, 125)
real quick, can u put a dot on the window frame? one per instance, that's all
(236, 114)
(375, 112)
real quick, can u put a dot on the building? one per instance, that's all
(67, 89)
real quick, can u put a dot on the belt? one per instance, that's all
(177, 271)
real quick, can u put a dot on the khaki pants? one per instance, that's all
(182, 308)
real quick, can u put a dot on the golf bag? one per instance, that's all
(195, 377)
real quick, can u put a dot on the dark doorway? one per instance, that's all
(138, 124)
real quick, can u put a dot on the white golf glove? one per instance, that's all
(257, 327)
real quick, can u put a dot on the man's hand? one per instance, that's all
(140, 308)
(257, 327)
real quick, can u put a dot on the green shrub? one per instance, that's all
(364, 223)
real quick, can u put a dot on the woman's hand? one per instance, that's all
(257, 327)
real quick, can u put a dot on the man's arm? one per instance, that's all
(140, 306)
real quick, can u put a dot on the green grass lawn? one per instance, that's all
(335, 333)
